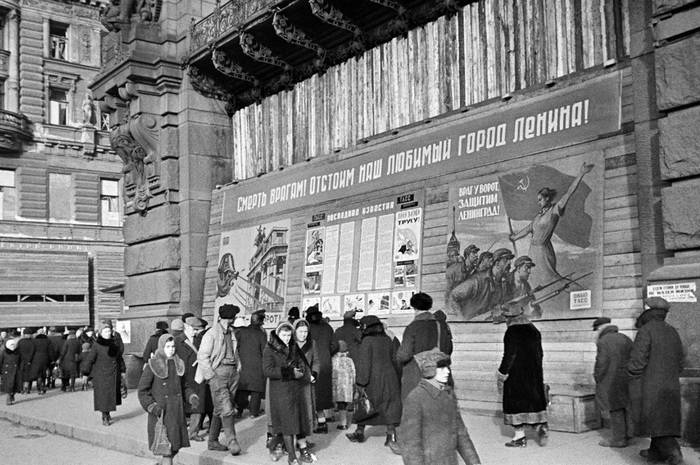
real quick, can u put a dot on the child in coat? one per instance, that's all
(343, 382)
(84, 364)
(9, 370)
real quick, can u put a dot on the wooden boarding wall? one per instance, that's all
(490, 48)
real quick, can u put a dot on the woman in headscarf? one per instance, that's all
(160, 392)
(10, 369)
(376, 374)
(103, 364)
(291, 414)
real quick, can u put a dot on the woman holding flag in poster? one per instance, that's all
(544, 224)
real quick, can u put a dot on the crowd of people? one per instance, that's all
(304, 375)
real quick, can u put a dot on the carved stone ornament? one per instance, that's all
(396, 6)
(288, 32)
(329, 14)
(135, 142)
(258, 52)
(119, 12)
(226, 66)
(207, 85)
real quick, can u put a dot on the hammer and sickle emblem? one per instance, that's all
(523, 184)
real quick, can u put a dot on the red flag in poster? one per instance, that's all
(519, 193)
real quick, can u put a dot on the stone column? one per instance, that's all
(12, 98)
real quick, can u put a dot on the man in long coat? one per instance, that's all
(43, 356)
(25, 347)
(322, 333)
(186, 349)
(420, 335)
(657, 359)
(252, 340)
(612, 381)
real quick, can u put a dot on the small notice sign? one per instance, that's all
(579, 300)
(676, 292)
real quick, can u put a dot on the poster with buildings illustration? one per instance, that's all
(252, 270)
(528, 239)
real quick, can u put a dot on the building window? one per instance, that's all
(61, 199)
(58, 106)
(109, 203)
(8, 195)
(58, 40)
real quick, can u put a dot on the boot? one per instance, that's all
(10, 399)
(228, 424)
(194, 428)
(214, 431)
(542, 434)
(305, 455)
(392, 444)
(321, 428)
(105, 419)
(357, 436)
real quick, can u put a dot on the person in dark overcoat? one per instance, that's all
(104, 368)
(152, 343)
(350, 333)
(322, 333)
(310, 352)
(432, 429)
(25, 347)
(161, 389)
(251, 344)
(43, 356)
(612, 381)
(186, 350)
(9, 369)
(375, 372)
(520, 378)
(420, 335)
(69, 360)
(289, 376)
(657, 360)
(57, 340)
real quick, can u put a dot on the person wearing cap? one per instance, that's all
(10, 369)
(657, 361)
(520, 379)
(612, 382)
(43, 356)
(471, 259)
(322, 334)
(103, 364)
(423, 333)
(25, 347)
(502, 280)
(161, 390)
(152, 343)
(350, 333)
(483, 290)
(375, 373)
(432, 430)
(293, 314)
(186, 350)
(251, 345)
(68, 361)
(177, 326)
(455, 271)
(218, 363)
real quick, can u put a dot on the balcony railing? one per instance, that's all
(14, 128)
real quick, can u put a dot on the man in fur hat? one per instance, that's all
(611, 379)
(152, 343)
(432, 430)
(657, 360)
(423, 333)
(219, 364)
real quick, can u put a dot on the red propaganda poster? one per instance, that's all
(530, 239)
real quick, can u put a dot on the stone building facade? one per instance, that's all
(370, 124)
(60, 227)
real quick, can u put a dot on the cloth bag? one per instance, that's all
(362, 407)
(161, 444)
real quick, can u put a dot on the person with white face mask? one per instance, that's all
(432, 431)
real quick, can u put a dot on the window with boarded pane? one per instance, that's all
(58, 106)
(8, 195)
(109, 202)
(61, 198)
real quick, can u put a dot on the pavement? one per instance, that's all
(71, 415)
